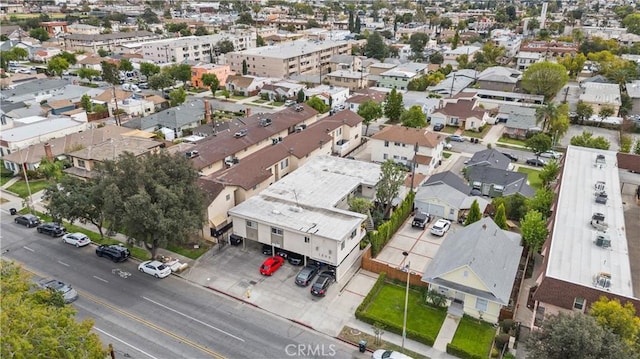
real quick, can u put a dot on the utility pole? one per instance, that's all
(116, 115)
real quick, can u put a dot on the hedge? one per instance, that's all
(372, 293)
(460, 353)
(385, 231)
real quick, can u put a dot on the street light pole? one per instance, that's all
(406, 300)
(26, 179)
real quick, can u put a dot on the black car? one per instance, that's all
(52, 229)
(295, 259)
(420, 220)
(438, 127)
(306, 275)
(28, 220)
(325, 279)
(511, 156)
(267, 250)
(536, 162)
(115, 252)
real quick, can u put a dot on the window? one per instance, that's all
(353, 234)
(481, 304)
(465, 274)
(81, 164)
(228, 196)
(397, 144)
(385, 156)
(306, 239)
(276, 231)
(284, 164)
(386, 143)
(251, 224)
(578, 304)
(342, 245)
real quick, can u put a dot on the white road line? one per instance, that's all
(27, 248)
(98, 278)
(194, 319)
(125, 343)
(64, 264)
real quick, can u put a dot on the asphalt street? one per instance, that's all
(145, 317)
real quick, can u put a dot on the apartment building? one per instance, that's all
(192, 48)
(550, 49)
(83, 29)
(222, 72)
(291, 58)
(109, 42)
(511, 44)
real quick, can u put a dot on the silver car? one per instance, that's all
(69, 294)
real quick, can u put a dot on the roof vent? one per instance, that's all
(602, 280)
(295, 209)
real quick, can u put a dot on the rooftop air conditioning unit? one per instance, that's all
(603, 241)
(603, 280)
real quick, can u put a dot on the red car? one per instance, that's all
(270, 265)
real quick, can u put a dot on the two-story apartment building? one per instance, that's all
(408, 146)
(307, 212)
(222, 72)
(353, 80)
(190, 48)
(287, 59)
(108, 42)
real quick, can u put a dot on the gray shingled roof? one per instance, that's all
(443, 193)
(488, 252)
(449, 178)
(519, 117)
(513, 182)
(34, 86)
(491, 158)
(174, 117)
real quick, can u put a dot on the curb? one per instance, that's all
(352, 343)
(232, 296)
(303, 324)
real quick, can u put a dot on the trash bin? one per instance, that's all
(362, 346)
(13, 211)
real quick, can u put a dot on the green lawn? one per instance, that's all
(20, 187)
(389, 305)
(193, 253)
(277, 104)
(4, 180)
(474, 337)
(260, 101)
(512, 141)
(446, 154)
(449, 129)
(533, 177)
(475, 134)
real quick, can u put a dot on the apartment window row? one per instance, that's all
(277, 231)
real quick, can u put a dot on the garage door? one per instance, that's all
(432, 209)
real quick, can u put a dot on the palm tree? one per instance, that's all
(546, 114)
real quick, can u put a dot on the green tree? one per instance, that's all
(260, 41)
(300, 96)
(414, 117)
(71, 58)
(501, 217)
(541, 202)
(632, 23)
(515, 205)
(318, 105)
(369, 111)
(149, 16)
(474, 214)
(436, 58)
(160, 81)
(88, 73)
(621, 320)
(225, 46)
(179, 72)
(586, 139)
(539, 143)
(201, 31)
(245, 68)
(351, 22)
(37, 321)
(391, 178)
(102, 52)
(51, 170)
(394, 105)
(463, 61)
(584, 111)
(559, 124)
(177, 97)
(245, 18)
(575, 335)
(125, 65)
(573, 63)
(149, 69)
(544, 78)
(39, 34)
(418, 41)
(358, 26)
(86, 103)
(534, 230)
(154, 198)
(212, 81)
(110, 72)
(606, 111)
(375, 47)
(546, 114)
(549, 173)
(455, 41)
(57, 66)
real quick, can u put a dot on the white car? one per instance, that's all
(550, 154)
(155, 268)
(389, 354)
(440, 227)
(77, 239)
(447, 146)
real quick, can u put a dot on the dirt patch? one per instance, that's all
(355, 336)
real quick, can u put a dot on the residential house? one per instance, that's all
(246, 85)
(582, 264)
(490, 158)
(454, 83)
(550, 49)
(109, 98)
(499, 78)
(222, 72)
(462, 113)
(282, 90)
(413, 147)
(38, 129)
(248, 135)
(55, 28)
(525, 59)
(518, 120)
(91, 62)
(307, 212)
(362, 96)
(475, 269)
(346, 63)
(396, 78)
(633, 90)
(329, 94)
(496, 182)
(60, 106)
(37, 90)
(174, 119)
(417, 98)
(450, 56)
(600, 95)
(13, 32)
(510, 42)
(85, 160)
(353, 80)
(244, 179)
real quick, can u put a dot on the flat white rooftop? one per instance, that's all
(573, 256)
(39, 128)
(292, 48)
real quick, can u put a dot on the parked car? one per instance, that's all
(511, 156)
(440, 227)
(295, 259)
(143, 85)
(389, 354)
(155, 268)
(28, 220)
(289, 103)
(69, 294)
(438, 127)
(456, 138)
(77, 239)
(271, 264)
(321, 285)
(536, 162)
(267, 250)
(306, 275)
(420, 220)
(52, 229)
(235, 240)
(550, 154)
(115, 252)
